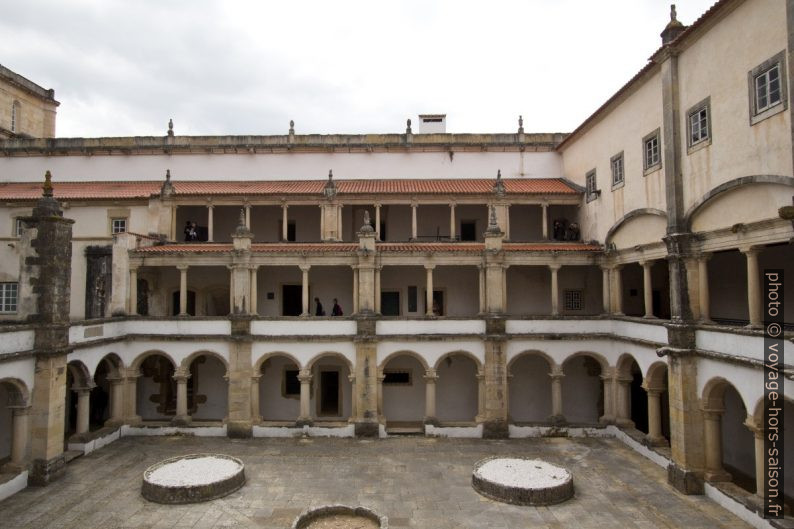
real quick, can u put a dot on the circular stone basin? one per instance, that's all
(193, 478)
(340, 517)
(522, 481)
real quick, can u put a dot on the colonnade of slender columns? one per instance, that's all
(555, 290)
(305, 290)
(210, 223)
(429, 291)
(183, 289)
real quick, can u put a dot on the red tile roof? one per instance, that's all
(133, 190)
(430, 247)
(550, 247)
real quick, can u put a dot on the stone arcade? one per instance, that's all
(606, 281)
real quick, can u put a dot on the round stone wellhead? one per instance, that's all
(522, 481)
(192, 478)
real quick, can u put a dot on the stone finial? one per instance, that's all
(330, 186)
(521, 124)
(673, 29)
(241, 220)
(47, 187)
(499, 186)
(367, 227)
(673, 14)
(408, 126)
(167, 189)
(171, 127)
(493, 224)
(291, 127)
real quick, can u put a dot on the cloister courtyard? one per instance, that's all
(415, 481)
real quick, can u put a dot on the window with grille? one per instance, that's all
(9, 293)
(574, 300)
(118, 225)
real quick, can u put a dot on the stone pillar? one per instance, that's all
(256, 414)
(655, 437)
(703, 288)
(366, 371)
(556, 375)
(83, 409)
(545, 217)
(413, 221)
(555, 290)
(429, 291)
(239, 422)
(210, 223)
(305, 417)
(753, 287)
(492, 387)
(182, 289)
(377, 221)
(182, 417)
(377, 289)
(496, 300)
(254, 294)
(712, 430)
(760, 456)
(481, 270)
(608, 379)
(617, 290)
(353, 404)
(430, 397)
(355, 289)
(284, 222)
(116, 401)
(305, 290)
(480, 397)
(647, 288)
(605, 288)
(131, 416)
(19, 437)
(623, 401)
(132, 301)
(248, 216)
(452, 223)
(381, 377)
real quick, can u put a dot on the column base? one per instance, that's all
(114, 423)
(181, 420)
(304, 421)
(605, 419)
(495, 430)
(557, 420)
(133, 420)
(366, 428)
(654, 441)
(717, 475)
(43, 472)
(650, 317)
(431, 421)
(239, 429)
(625, 423)
(684, 481)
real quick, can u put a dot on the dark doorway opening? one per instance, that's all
(390, 303)
(329, 393)
(292, 300)
(468, 231)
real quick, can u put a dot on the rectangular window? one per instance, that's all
(767, 89)
(292, 386)
(468, 230)
(574, 300)
(651, 152)
(413, 302)
(9, 293)
(698, 125)
(18, 227)
(767, 84)
(616, 162)
(590, 184)
(392, 377)
(118, 225)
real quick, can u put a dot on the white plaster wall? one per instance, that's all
(304, 328)
(287, 166)
(386, 328)
(580, 392)
(737, 344)
(117, 329)
(405, 403)
(16, 341)
(456, 389)
(640, 230)
(628, 329)
(272, 405)
(738, 445)
(431, 351)
(529, 387)
(746, 204)
(212, 384)
(91, 220)
(303, 351)
(325, 282)
(6, 424)
(20, 368)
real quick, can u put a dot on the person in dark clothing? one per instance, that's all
(337, 310)
(188, 232)
(320, 311)
(194, 232)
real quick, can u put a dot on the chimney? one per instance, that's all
(673, 28)
(432, 123)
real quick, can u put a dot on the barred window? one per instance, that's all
(118, 225)
(9, 293)
(574, 300)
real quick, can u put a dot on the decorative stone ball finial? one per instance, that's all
(408, 126)
(168, 175)
(330, 175)
(47, 184)
(170, 127)
(291, 127)
(330, 187)
(520, 124)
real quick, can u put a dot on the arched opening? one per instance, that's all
(101, 395)
(79, 385)
(13, 425)
(404, 392)
(529, 387)
(156, 389)
(582, 390)
(207, 390)
(279, 389)
(457, 389)
(6, 422)
(632, 406)
(191, 303)
(331, 389)
(657, 396)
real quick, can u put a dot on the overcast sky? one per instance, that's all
(124, 68)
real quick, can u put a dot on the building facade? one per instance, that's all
(606, 281)
(26, 109)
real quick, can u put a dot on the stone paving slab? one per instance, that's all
(416, 482)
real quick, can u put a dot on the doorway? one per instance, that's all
(390, 303)
(329, 393)
(291, 300)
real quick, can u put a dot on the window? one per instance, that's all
(574, 300)
(392, 377)
(468, 230)
(767, 84)
(16, 114)
(9, 293)
(616, 162)
(699, 125)
(651, 152)
(590, 184)
(18, 227)
(118, 225)
(292, 386)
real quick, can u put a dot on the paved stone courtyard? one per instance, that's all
(416, 482)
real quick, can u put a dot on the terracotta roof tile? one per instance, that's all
(138, 190)
(430, 247)
(550, 247)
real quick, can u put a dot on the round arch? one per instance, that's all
(275, 354)
(185, 365)
(602, 361)
(532, 352)
(18, 391)
(629, 216)
(114, 361)
(714, 393)
(654, 377)
(404, 352)
(136, 363)
(329, 354)
(461, 352)
(80, 374)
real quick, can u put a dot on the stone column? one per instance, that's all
(355, 289)
(605, 288)
(617, 290)
(452, 223)
(132, 302)
(182, 289)
(703, 288)
(377, 221)
(760, 456)
(623, 398)
(556, 375)
(305, 290)
(712, 429)
(248, 216)
(413, 221)
(555, 290)
(339, 222)
(254, 293)
(210, 223)
(655, 437)
(507, 221)
(480, 397)
(305, 378)
(131, 416)
(429, 291)
(381, 377)
(19, 439)
(545, 217)
(377, 289)
(116, 401)
(181, 377)
(83, 409)
(608, 380)
(481, 270)
(284, 222)
(647, 288)
(256, 414)
(354, 401)
(230, 268)
(753, 287)
(430, 396)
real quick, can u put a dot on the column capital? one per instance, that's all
(20, 409)
(82, 390)
(750, 250)
(351, 377)
(181, 378)
(181, 267)
(210, 205)
(645, 263)
(713, 414)
(705, 256)
(255, 378)
(430, 375)
(133, 268)
(377, 205)
(429, 266)
(556, 372)
(554, 266)
(305, 267)
(304, 376)
(758, 430)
